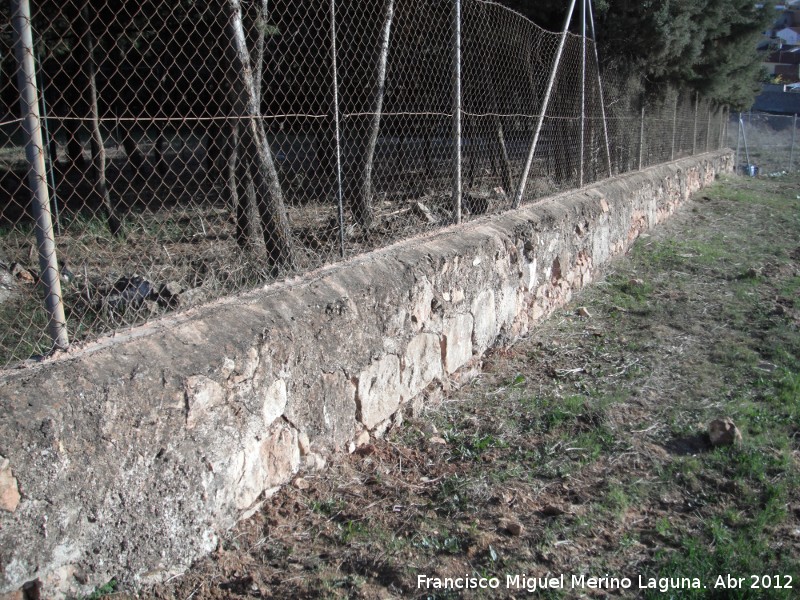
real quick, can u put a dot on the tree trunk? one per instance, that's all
(218, 132)
(500, 153)
(254, 154)
(74, 154)
(260, 31)
(128, 108)
(240, 181)
(87, 53)
(216, 141)
(132, 151)
(160, 147)
(362, 194)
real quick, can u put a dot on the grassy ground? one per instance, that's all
(582, 450)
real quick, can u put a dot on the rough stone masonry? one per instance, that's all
(128, 457)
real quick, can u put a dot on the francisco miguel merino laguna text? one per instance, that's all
(532, 584)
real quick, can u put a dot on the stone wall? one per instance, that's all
(128, 457)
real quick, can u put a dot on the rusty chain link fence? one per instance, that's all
(157, 155)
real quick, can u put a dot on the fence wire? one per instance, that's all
(766, 144)
(197, 149)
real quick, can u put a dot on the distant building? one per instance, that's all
(789, 35)
(778, 103)
(784, 63)
(787, 55)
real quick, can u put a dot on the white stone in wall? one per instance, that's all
(202, 396)
(275, 399)
(379, 390)
(508, 306)
(421, 299)
(248, 366)
(601, 245)
(267, 463)
(484, 313)
(458, 341)
(652, 216)
(529, 275)
(423, 364)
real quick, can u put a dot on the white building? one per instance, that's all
(789, 35)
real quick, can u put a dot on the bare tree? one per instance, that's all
(501, 151)
(241, 184)
(86, 56)
(253, 156)
(360, 190)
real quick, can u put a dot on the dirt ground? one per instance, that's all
(581, 451)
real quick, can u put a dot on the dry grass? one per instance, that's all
(580, 450)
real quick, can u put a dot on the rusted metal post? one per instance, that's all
(37, 174)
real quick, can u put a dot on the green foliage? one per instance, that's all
(103, 591)
(705, 45)
(744, 549)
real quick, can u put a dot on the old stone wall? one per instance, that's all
(127, 458)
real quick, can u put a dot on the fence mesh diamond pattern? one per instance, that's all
(157, 155)
(766, 144)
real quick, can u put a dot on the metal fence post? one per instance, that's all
(746, 149)
(641, 137)
(738, 143)
(583, 91)
(600, 89)
(794, 133)
(457, 111)
(674, 124)
(337, 129)
(37, 175)
(726, 121)
(543, 110)
(50, 146)
(694, 133)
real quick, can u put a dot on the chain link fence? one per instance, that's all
(155, 155)
(766, 144)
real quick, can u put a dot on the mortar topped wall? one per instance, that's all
(129, 457)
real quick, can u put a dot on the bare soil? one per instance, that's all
(581, 449)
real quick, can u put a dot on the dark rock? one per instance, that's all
(476, 204)
(169, 294)
(129, 292)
